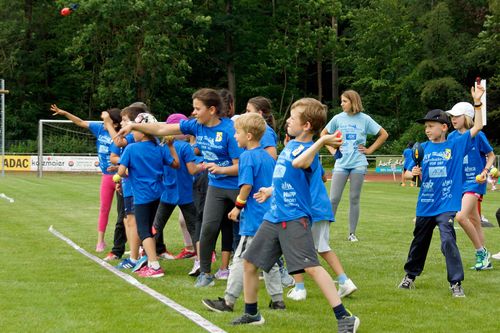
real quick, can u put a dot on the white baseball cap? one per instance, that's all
(462, 108)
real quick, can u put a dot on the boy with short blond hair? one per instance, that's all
(255, 170)
(286, 228)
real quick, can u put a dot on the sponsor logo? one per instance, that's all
(218, 137)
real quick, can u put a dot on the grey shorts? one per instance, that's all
(293, 239)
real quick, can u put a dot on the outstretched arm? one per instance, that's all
(158, 129)
(77, 121)
(478, 114)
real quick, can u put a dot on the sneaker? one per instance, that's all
(256, 319)
(222, 274)
(151, 272)
(261, 275)
(100, 247)
(140, 263)
(496, 256)
(110, 256)
(348, 324)
(297, 294)
(407, 283)
(204, 280)
(185, 254)
(485, 223)
(126, 264)
(277, 305)
(195, 271)
(457, 290)
(218, 305)
(352, 238)
(166, 255)
(286, 279)
(347, 288)
(483, 260)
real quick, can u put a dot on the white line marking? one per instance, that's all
(193, 316)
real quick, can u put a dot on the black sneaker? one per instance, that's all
(278, 305)
(407, 283)
(218, 305)
(248, 319)
(348, 324)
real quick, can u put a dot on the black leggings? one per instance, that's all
(145, 216)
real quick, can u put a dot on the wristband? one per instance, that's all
(478, 105)
(240, 203)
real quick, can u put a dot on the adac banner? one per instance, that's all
(52, 163)
(389, 165)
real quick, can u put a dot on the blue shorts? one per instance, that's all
(360, 170)
(129, 205)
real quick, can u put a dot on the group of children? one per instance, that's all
(263, 202)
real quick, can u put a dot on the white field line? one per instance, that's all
(193, 316)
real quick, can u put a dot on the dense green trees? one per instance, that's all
(403, 56)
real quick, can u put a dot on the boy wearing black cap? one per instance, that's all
(440, 194)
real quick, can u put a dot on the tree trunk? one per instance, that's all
(231, 79)
(335, 69)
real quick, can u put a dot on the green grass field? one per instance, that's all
(47, 286)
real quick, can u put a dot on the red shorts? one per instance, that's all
(477, 195)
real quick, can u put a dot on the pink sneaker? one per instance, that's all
(166, 255)
(110, 256)
(150, 272)
(100, 247)
(185, 253)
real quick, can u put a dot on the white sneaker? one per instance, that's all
(297, 294)
(347, 288)
(496, 256)
(352, 238)
(195, 271)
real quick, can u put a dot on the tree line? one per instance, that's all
(108, 53)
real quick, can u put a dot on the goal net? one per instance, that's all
(63, 146)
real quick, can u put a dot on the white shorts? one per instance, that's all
(321, 236)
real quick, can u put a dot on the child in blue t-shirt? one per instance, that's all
(440, 195)
(103, 141)
(286, 228)
(215, 138)
(255, 171)
(144, 160)
(476, 165)
(178, 188)
(407, 158)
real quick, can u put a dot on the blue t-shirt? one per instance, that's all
(321, 206)
(102, 143)
(407, 155)
(474, 162)
(354, 130)
(145, 161)
(126, 187)
(291, 197)
(255, 168)
(441, 188)
(179, 182)
(269, 139)
(218, 145)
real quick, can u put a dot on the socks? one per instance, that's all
(342, 278)
(251, 308)
(154, 265)
(340, 312)
(299, 286)
(480, 250)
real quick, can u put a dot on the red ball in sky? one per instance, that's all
(65, 11)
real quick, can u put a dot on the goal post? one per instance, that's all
(62, 138)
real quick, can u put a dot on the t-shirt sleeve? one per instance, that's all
(95, 127)
(268, 139)
(188, 126)
(188, 154)
(245, 170)
(372, 127)
(114, 149)
(130, 138)
(125, 158)
(332, 125)
(483, 144)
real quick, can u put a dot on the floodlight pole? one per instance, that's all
(3, 92)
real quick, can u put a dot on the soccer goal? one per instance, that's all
(63, 146)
